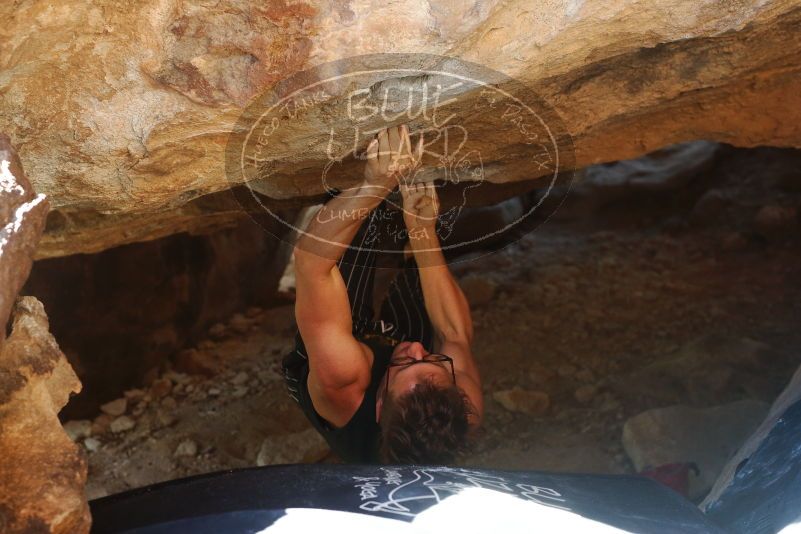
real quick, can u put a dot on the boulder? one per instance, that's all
(710, 370)
(123, 311)
(790, 397)
(667, 169)
(42, 472)
(707, 437)
(123, 114)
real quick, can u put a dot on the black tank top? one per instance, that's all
(358, 440)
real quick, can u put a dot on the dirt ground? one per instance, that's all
(584, 312)
(569, 310)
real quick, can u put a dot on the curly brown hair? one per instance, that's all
(428, 425)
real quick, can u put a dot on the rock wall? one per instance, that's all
(123, 109)
(42, 472)
(122, 312)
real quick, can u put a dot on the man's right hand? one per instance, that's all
(420, 206)
(390, 159)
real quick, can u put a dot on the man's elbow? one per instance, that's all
(306, 262)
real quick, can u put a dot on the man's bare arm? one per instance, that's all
(445, 301)
(336, 358)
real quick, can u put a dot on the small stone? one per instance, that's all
(585, 393)
(78, 430)
(734, 241)
(585, 375)
(606, 402)
(206, 344)
(239, 392)
(267, 376)
(139, 409)
(775, 222)
(710, 208)
(540, 375)
(122, 424)
(92, 444)
(253, 311)
(214, 392)
(151, 375)
(115, 408)
(239, 324)
(186, 448)
(195, 362)
(101, 424)
(178, 377)
(218, 331)
(595, 363)
(165, 418)
(134, 395)
(566, 370)
(161, 388)
(240, 378)
(519, 400)
(169, 403)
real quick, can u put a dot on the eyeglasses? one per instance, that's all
(409, 361)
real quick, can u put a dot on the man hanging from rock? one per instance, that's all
(402, 387)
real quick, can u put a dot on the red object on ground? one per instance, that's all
(675, 476)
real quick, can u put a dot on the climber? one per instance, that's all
(403, 387)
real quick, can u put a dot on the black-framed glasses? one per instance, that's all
(433, 357)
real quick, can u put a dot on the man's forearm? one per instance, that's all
(445, 302)
(335, 224)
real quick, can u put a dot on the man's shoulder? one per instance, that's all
(337, 404)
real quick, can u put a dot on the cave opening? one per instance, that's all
(661, 294)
